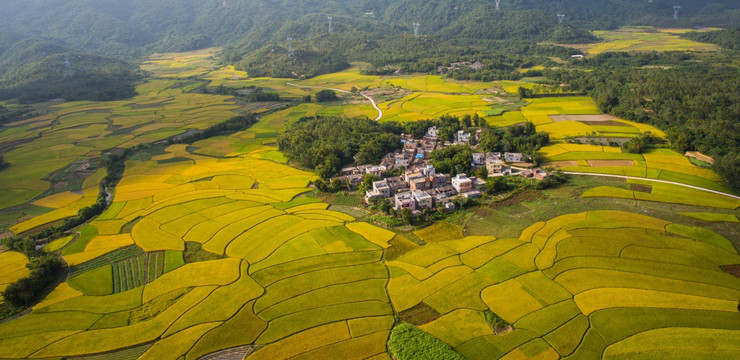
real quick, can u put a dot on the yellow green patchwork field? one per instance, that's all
(220, 245)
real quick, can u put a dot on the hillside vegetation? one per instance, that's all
(35, 70)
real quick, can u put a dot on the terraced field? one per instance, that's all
(221, 249)
(578, 117)
(299, 272)
(575, 287)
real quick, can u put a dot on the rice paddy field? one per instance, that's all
(578, 118)
(220, 248)
(645, 39)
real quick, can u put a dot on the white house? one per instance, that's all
(461, 183)
(513, 157)
(405, 201)
(423, 200)
(462, 137)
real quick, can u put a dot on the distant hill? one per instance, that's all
(135, 27)
(35, 69)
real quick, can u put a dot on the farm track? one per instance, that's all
(655, 180)
(380, 112)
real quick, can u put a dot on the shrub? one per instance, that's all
(407, 342)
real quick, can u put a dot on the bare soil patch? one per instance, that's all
(610, 163)
(641, 188)
(605, 123)
(582, 118)
(733, 270)
(701, 157)
(420, 315)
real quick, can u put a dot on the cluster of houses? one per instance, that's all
(425, 189)
(420, 187)
(459, 66)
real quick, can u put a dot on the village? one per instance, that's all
(420, 187)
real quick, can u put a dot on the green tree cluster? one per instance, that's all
(326, 95)
(326, 144)
(453, 160)
(407, 342)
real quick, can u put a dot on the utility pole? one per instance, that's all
(67, 67)
(416, 29)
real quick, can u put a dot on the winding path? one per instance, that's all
(654, 180)
(380, 112)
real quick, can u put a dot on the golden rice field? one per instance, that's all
(82, 130)
(644, 39)
(12, 268)
(578, 117)
(287, 274)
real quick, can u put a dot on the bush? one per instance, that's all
(326, 95)
(407, 342)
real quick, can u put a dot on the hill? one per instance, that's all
(136, 27)
(35, 70)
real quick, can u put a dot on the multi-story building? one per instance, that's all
(405, 200)
(461, 183)
(401, 160)
(494, 167)
(423, 200)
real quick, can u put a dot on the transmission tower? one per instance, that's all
(331, 26)
(675, 12)
(560, 18)
(290, 47)
(67, 67)
(416, 29)
(650, 1)
(498, 4)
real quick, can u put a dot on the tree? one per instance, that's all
(467, 121)
(524, 92)
(407, 216)
(497, 185)
(367, 182)
(454, 159)
(482, 172)
(326, 95)
(307, 99)
(385, 206)
(3, 163)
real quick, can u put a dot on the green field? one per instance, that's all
(644, 39)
